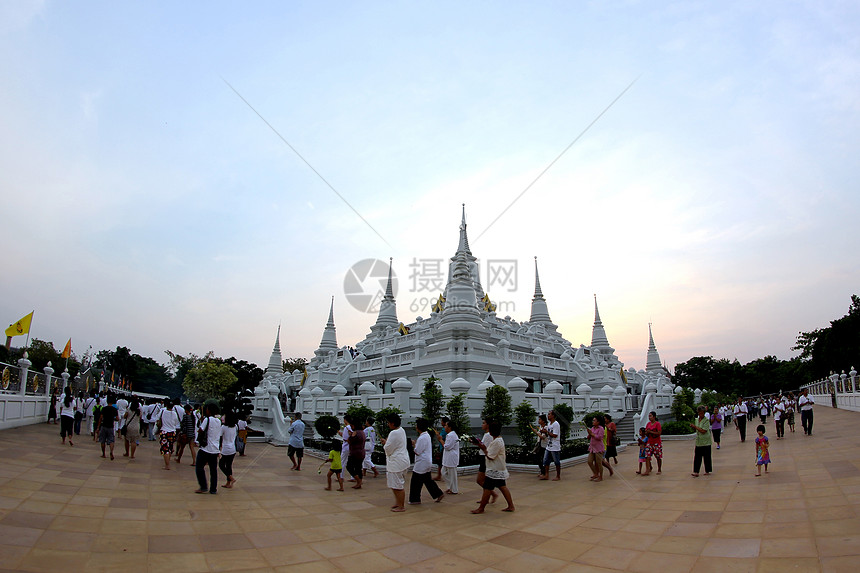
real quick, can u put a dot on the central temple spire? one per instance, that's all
(652, 362)
(463, 246)
(276, 365)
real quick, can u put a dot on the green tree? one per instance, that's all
(458, 414)
(432, 400)
(248, 374)
(564, 415)
(358, 412)
(381, 424)
(497, 405)
(835, 347)
(208, 380)
(525, 415)
(682, 405)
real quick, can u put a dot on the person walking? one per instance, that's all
(228, 447)
(130, 429)
(482, 461)
(595, 449)
(497, 471)
(740, 412)
(187, 434)
(168, 422)
(396, 461)
(716, 425)
(52, 408)
(107, 417)
(450, 458)
(779, 419)
(553, 446)
(207, 455)
(421, 471)
(805, 403)
(67, 416)
(654, 430)
(296, 445)
(540, 447)
(703, 443)
(356, 455)
(370, 440)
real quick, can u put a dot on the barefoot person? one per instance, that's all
(496, 470)
(450, 458)
(356, 455)
(296, 445)
(169, 424)
(486, 439)
(107, 417)
(396, 461)
(655, 443)
(595, 449)
(421, 474)
(553, 447)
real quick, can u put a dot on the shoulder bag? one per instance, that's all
(202, 436)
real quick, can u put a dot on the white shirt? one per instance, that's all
(496, 467)
(228, 440)
(370, 439)
(69, 410)
(213, 434)
(344, 447)
(423, 454)
(121, 406)
(778, 411)
(89, 404)
(451, 451)
(805, 403)
(554, 444)
(486, 439)
(396, 456)
(169, 421)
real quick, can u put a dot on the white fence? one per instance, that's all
(837, 390)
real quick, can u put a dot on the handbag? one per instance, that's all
(124, 429)
(202, 434)
(616, 440)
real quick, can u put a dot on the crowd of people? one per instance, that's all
(710, 423)
(212, 440)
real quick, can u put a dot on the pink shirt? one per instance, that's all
(595, 440)
(654, 427)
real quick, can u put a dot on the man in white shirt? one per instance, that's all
(740, 411)
(421, 471)
(805, 403)
(396, 461)
(89, 406)
(553, 446)
(121, 407)
(779, 417)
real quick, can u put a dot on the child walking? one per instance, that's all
(762, 456)
(643, 442)
(335, 469)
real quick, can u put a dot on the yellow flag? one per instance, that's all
(403, 329)
(20, 327)
(67, 351)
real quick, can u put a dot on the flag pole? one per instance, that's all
(27, 344)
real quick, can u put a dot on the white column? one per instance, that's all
(23, 368)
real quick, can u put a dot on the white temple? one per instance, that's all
(467, 347)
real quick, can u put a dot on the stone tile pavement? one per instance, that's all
(65, 509)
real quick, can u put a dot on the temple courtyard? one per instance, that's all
(66, 509)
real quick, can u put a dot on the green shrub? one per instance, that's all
(459, 415)
(432, 401)
(327, 426)
(525, 416)
(564, 415)
(677, 428)
(358, 412)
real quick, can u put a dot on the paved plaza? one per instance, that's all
(66, 509)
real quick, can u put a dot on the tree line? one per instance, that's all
(823, 350)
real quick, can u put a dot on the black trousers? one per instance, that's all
(702, 453)
(742, 427)
(806, 421)
(425, 480)
(716, 433)
(780, 428)
(206, 459)
(226, 464)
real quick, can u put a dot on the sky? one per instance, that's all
(190, 176)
